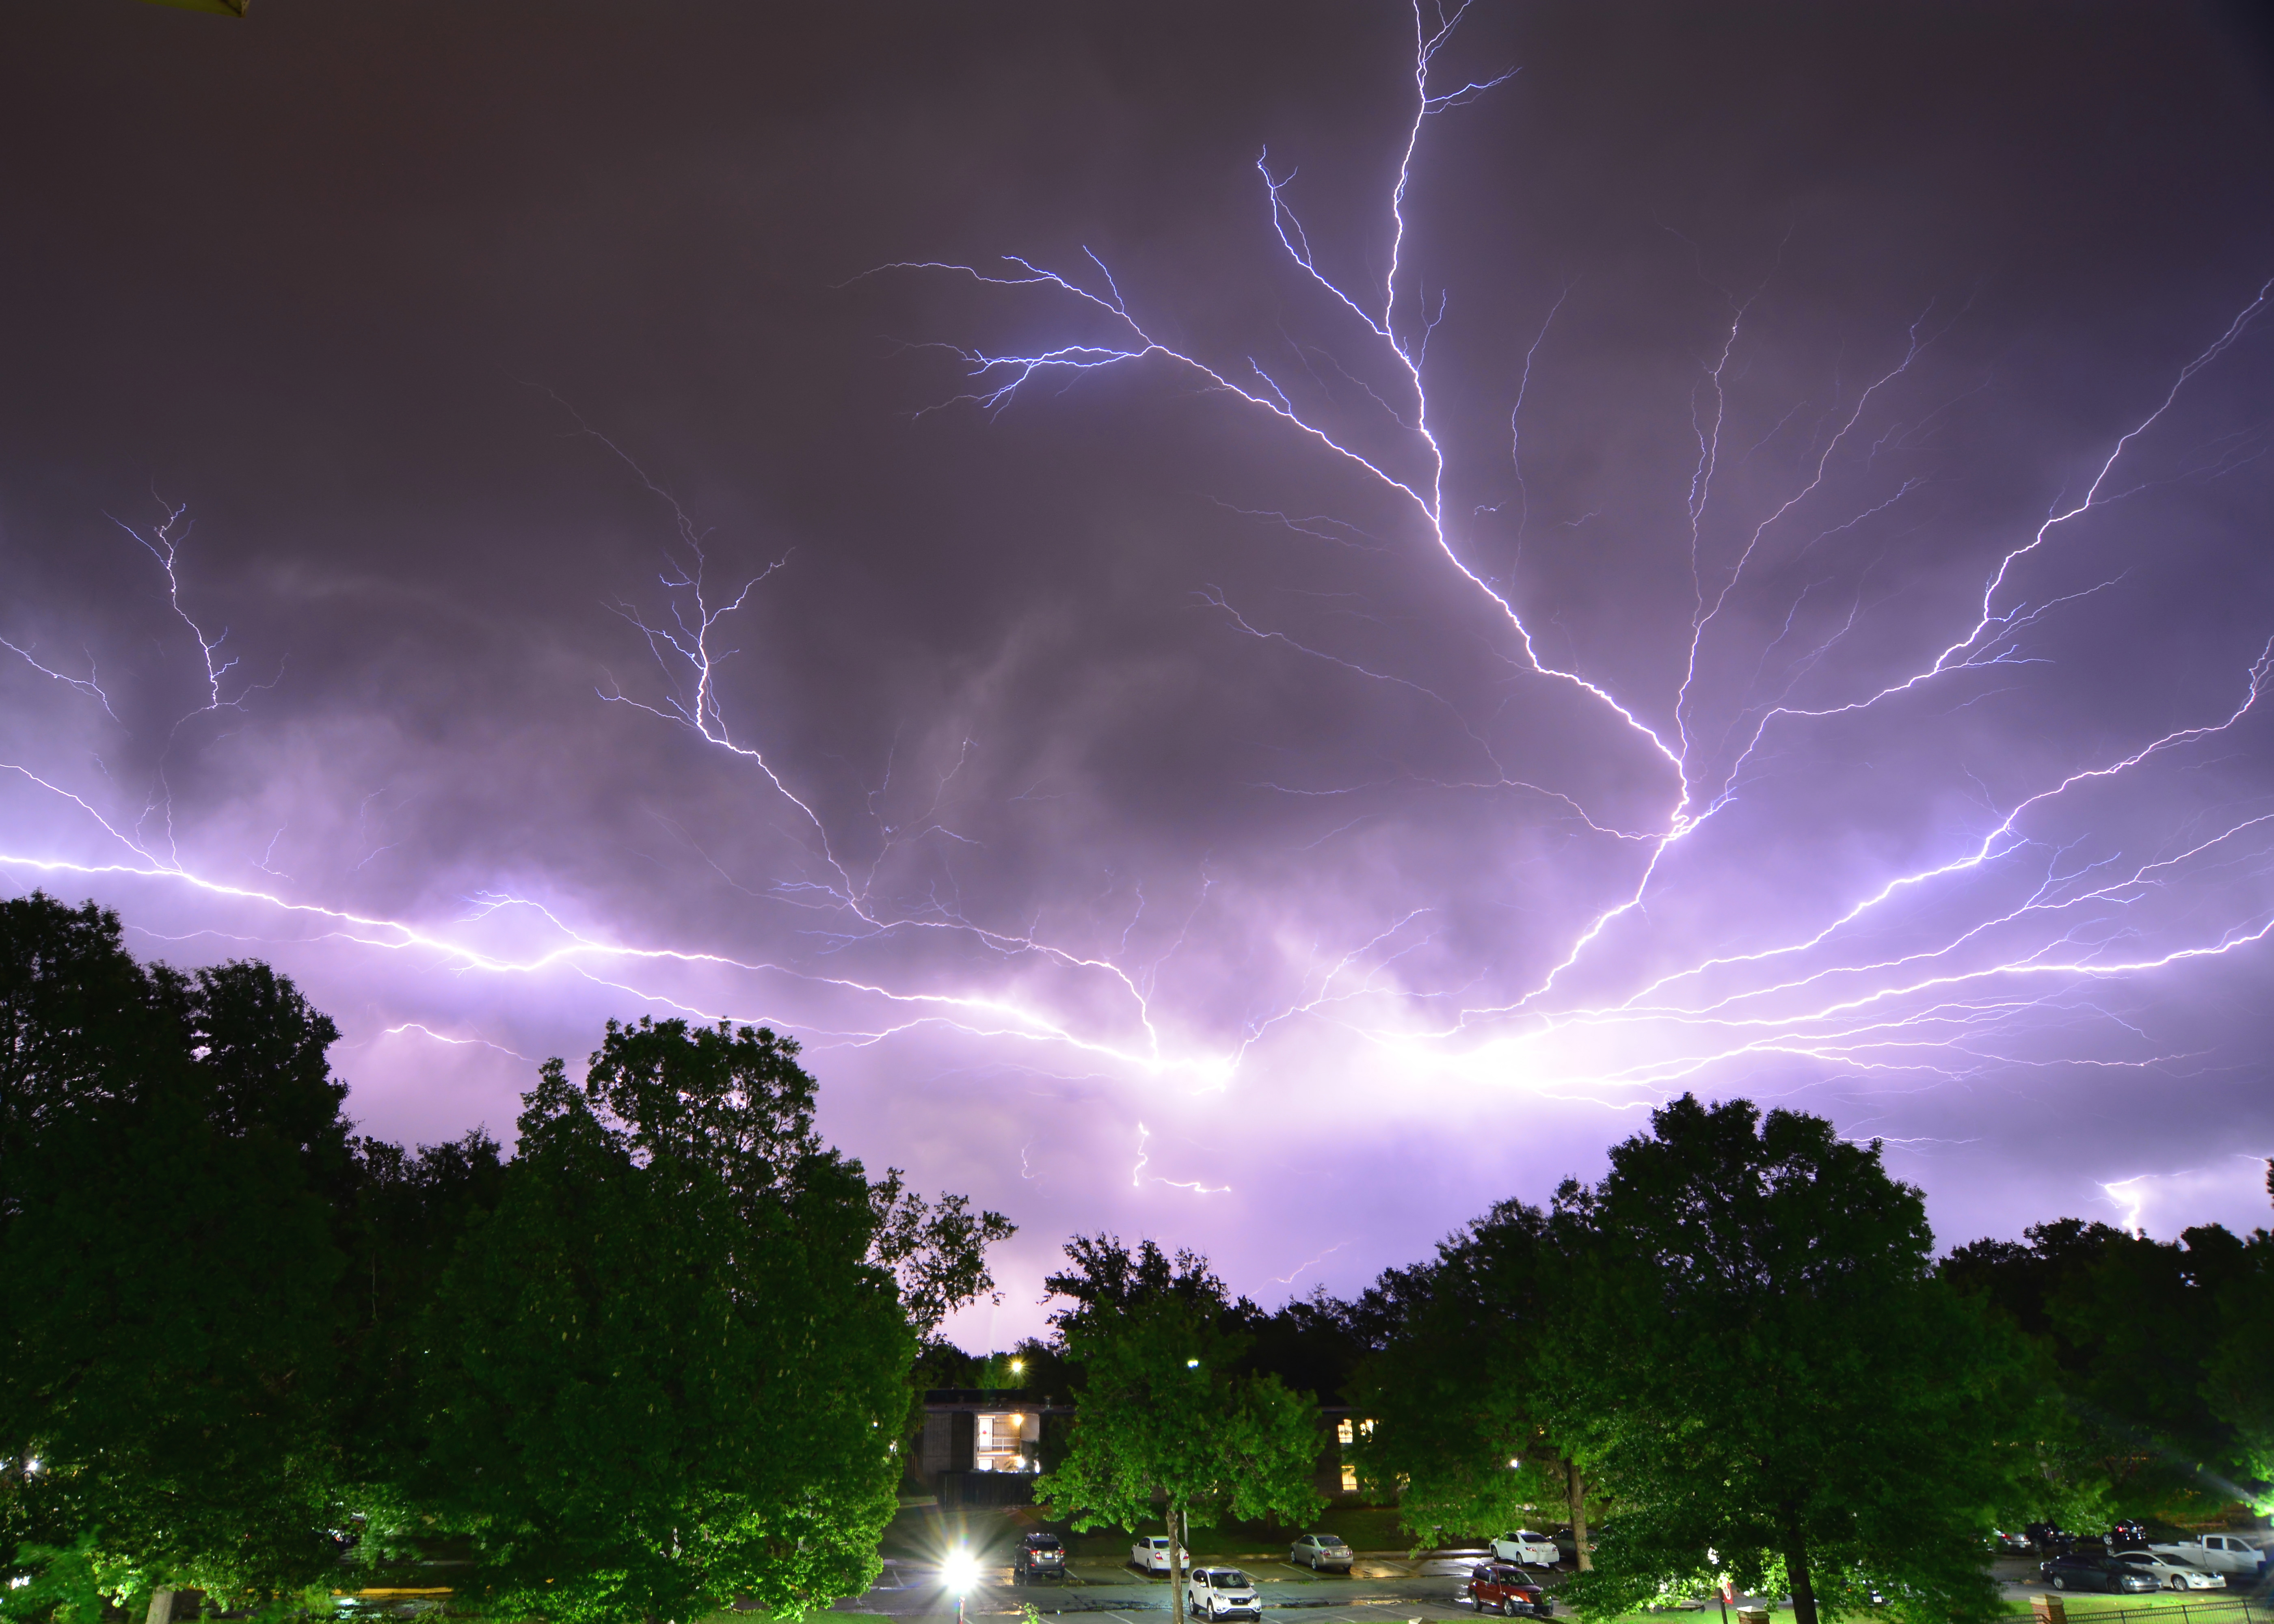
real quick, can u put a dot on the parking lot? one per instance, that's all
(1381, 1586)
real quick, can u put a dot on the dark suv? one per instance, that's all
(2090, 1570)
(1039, 1556)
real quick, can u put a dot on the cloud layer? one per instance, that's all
(1801, 638)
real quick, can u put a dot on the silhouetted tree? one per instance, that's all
(1464, 1432)
(2130, 1331)
(1167, 1413)
(173, 1170)
(672, 1367)
(1763, 1362)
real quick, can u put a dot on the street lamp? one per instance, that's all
(959, 1573)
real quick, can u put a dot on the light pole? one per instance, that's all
(959, 1573)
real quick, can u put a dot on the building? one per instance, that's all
(982, 1447)
(985, 1447)
(1335, 1476)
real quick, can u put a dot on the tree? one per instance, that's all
(2129, 1331)
(1765, 1365)
(172, 1156)
(1462, 1434)
(2239, 1377)
(411, 1210)
(672, 1367)
(1166, 1412)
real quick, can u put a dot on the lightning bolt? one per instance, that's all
(1959, 965)
(1862, 1030)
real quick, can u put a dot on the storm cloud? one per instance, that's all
(1800, 641)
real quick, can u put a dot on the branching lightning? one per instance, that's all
(1875, 1019)
(2033, 913)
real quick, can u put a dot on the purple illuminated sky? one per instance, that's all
(1797, 640)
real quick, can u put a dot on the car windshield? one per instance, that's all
(1042, 1542)
(1226, 1578)
(1330, 1539)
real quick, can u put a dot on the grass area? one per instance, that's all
(2079, 1604)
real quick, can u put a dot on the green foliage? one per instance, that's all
(1763, 1364)
(1462, 1435)
(2158, 1352)
(657, 1361)
(1167, 1413)
(172, 1157)
(671, 1368)
(2239, 1375)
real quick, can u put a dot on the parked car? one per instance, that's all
(2226, 1553)
(1321, 1553)
(1222, 1593)
(1039, 1556)
(2088, 1570)
(1567, 1543)
(1506, 1588)
(2127, 1536)
(2046, 1539)
(2009, 1544)
(1152, 1554)
(2175, 1573)
(1531, 1549)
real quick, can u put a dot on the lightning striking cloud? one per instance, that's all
(1686, 910)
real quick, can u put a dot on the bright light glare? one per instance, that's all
(1192, 1364)
(959, 1572)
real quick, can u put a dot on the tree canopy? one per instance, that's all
(1464, 1436)
(1167, 1417)
(658, 1359)
(1765, 1365)
(2159, 1352)
(671, 1368)
(172, 1160)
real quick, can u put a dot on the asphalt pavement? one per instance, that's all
(1379, 1587)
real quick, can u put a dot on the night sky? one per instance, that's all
(1155, 802)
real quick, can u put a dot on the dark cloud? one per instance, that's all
(421, 312)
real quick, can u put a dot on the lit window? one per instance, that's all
(1346, 1433)
(1350, 1476)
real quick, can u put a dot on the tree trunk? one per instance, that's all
(162, 1607)
(1578, 1486)
(1175, 1563)
(1796, 1567)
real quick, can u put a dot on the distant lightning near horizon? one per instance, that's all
(1937, 970)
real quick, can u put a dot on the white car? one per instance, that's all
(1152, 1554)
(1531, 1549)
(2177, 1572)
(2224, 1553)
(1320, 1552)
(1222, 1593)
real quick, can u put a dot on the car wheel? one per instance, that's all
(1508, 1607)
(2061, 1581)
